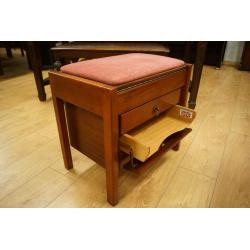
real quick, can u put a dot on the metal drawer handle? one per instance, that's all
(156, 110)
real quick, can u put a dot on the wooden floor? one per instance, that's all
(212, 168)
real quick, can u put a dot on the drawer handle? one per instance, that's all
(156, 110)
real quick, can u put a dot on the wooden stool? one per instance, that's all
(121, 111)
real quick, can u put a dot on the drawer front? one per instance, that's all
(138, 95)
(141, 114)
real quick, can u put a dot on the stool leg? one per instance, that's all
(111, 152)
(112, 169)
(63, 132)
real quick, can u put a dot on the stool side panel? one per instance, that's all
(86, 132)
(86, 96)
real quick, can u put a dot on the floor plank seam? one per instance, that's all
(32, 151)
(224, 149)
(198, 129)
(239, 133)
(65, 175)
(198, 173)
(182, 158)
(212, 180)
(216, 179)
(30, 179)
(64, 190)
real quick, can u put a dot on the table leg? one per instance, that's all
(22, 51)
(36, 67)
(9, 52)
(1, 68)
(198, 66)
(187, 51)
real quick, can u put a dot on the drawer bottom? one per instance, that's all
(153, 138)
(139, 167)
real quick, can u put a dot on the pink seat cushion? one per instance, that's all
(116, 70)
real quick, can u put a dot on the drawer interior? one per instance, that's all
(146, 140)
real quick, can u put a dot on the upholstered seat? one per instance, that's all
(117, 70)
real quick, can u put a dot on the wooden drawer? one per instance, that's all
(139, 115)
(133, 97)
(149, 138)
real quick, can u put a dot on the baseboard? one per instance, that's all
(231, 63)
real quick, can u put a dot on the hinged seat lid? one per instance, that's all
(121, 69)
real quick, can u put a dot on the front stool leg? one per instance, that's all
(63, 132)
(112, 180)
(110, 123)
(111, 166)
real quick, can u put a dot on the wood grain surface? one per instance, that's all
(211, 169)
(147, 138)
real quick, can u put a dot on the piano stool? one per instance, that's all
(122, 111)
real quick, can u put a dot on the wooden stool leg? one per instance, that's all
(111, 152)
(112, 176)
(63, 132)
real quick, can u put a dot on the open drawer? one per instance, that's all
(154, 136)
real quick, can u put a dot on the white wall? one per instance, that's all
(233, 51)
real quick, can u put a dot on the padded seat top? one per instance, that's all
(117, 70)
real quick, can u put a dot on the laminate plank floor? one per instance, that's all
(211, 169)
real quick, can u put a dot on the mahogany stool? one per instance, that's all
(122, 111)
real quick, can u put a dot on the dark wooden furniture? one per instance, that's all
(193, 52)
(90, 50)
(92, 116)
(1, 68)
(198, 66)
(71, 52)
(215, 53)
(198, 53)
(8, 45)
(187, 51)
(40, 57)
(245, 59)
